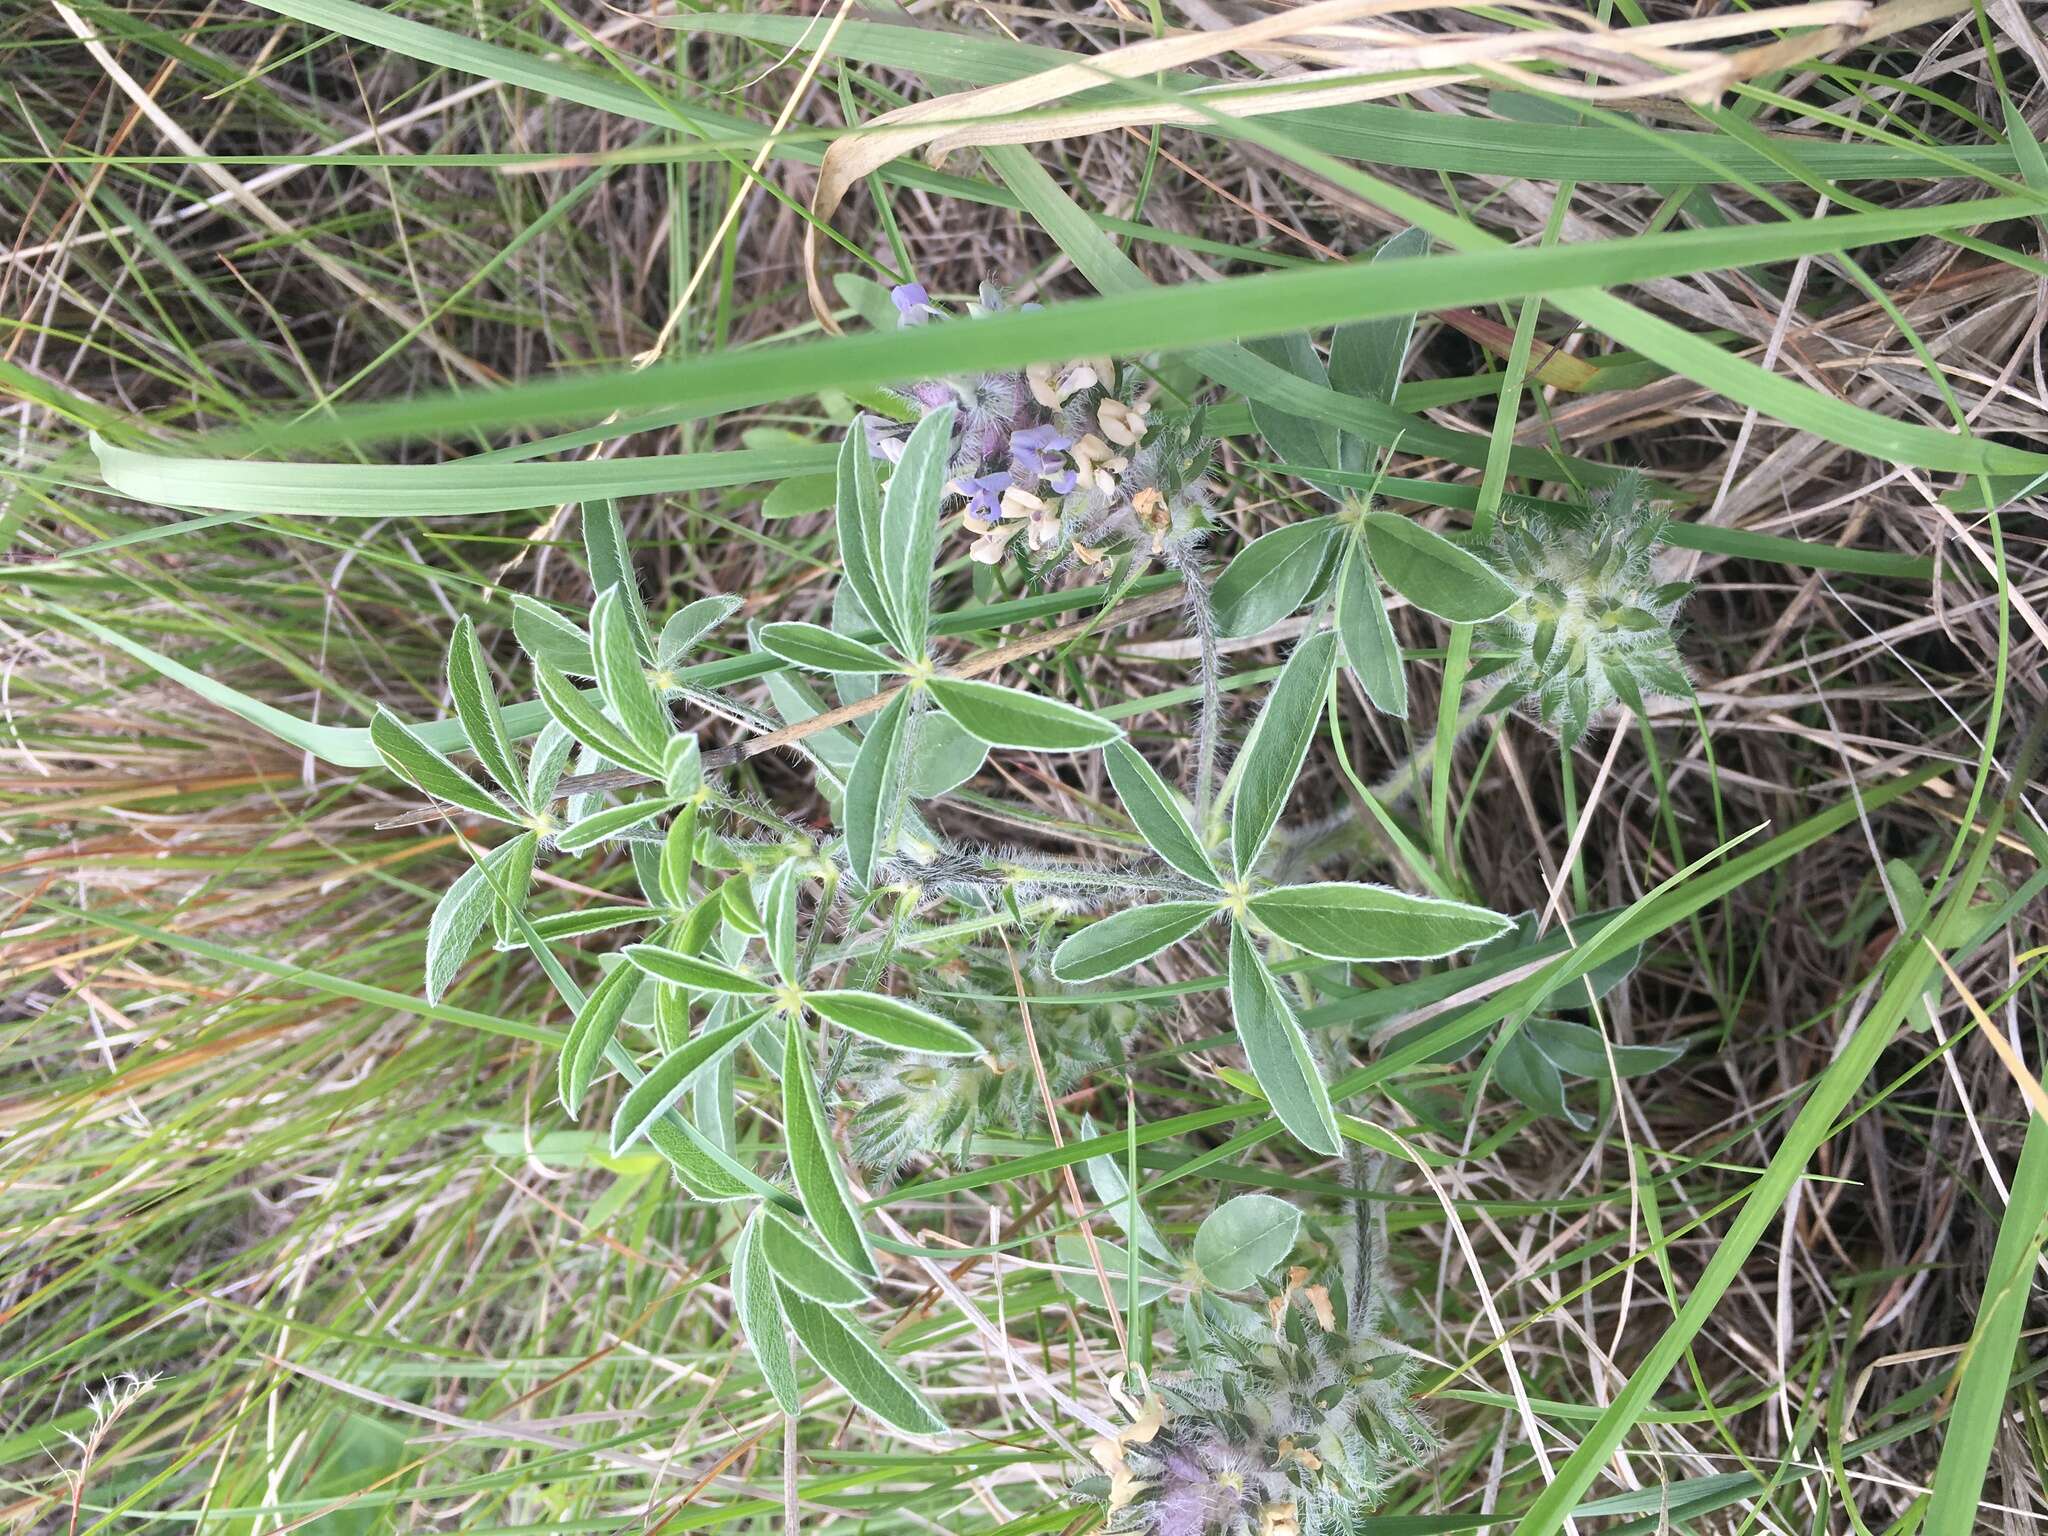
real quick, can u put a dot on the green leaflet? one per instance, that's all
(1271, 576)
(1433, 573)
(689, 624)
(1156, 814)
(814, 1163)
(411, 758)
(588, 724)
(464, 908)
(1123, 939)
(1277, 1049)
(875, 789)
(778, 920)
(850, 1358)
(818, 649)
(1368, 634)
(758, 1309)
(892, 1021)
(596, 1024)
(1009, 717)
(588, 831)
(1278, 742)
(906, 541)
(546, 636)
(803, 1266)
(622, 676)
(656, 1093)
(1368, 357)
(1240, 1242)
(1347, 921)
(693, 971)
(859, 518)
(1079, 1278)
(476, 706)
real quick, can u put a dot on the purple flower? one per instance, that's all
(984, 495)
(1031, 450)
(913, 304)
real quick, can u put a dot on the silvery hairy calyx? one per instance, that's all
(1289, 1420)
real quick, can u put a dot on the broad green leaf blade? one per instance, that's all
(428, 771)
(1368, 634)
(622, 677)
(702, 1168)
(1123, 939)
(943, 757)
(1009, 717)
(546, 636)
(597, 1023)
(1271, 576)
(689, 624)
(818, 649)
(849, 1357)
(589, 831)
(1278, 1050)
(693, 971)
(1577, 1049)
(778, 919)
(589, 724)
(1078, 1275)
(1433, 573)
(1307, 440)
(1367, 356)
(758, 1309)
(1239, 1243)
(464, 908)
(1156, 813)
(1533, 1080)
(1106, 1174)
(907, 539)
(875, 788)
(1278, 742)
(802, 1265)
(476, 706)
(892, 1021)
(610, 559)
(672, 1076)
(1347, 921)
(814, 1163)
(682, 766)
(859, 518)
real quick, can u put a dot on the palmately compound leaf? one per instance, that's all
(596, 1024)
(1279, 740)
(818, 649)
(656, 1093)
(407, 754)
(476, 706)
(847, 1355)
(462, 911)
(909, 533)
(1123, 939)
(1345, 921)
(1156, 814)
(1433, 573)
(758, 1307)
(814, 1162)
(1368, 634)
(1009, 717)
(1241, 1241)
(1278, 1050)
(803, 1265)
(622, 677)
(859, 522)
(873, 801)
(1268, 579)
(892, 1021)
(590, 725)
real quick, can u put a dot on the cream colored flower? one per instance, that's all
(1018, 502)
(1096, 464)
(1122, 424)
(1052, 383)
(1280, 1520)
(990, 547)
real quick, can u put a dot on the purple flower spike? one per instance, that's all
(913, 304)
